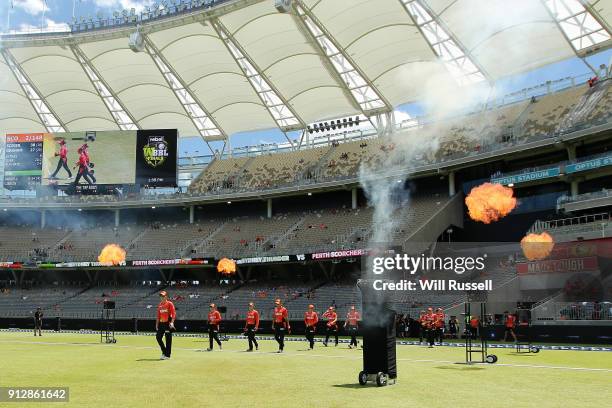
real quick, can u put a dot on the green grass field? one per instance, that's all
(129, 374)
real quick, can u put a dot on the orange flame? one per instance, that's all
(490, 202)
(537, 246)
(112, 254)
(226, 266)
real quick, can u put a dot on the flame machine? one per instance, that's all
(378, 330)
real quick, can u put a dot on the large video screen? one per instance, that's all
(89, 161)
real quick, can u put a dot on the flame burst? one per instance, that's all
(112, 254)
(537, 246)
(226, 266)
(490, 202)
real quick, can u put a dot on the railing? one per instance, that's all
(580, 310)
(605, 193)
(565, 223)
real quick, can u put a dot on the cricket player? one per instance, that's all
(311, 318)
(63, 160)
(439, 324)
(351, 325)
(251, 326)
(214, 320)
(280, 324)
(331, 325)
(38, 316)
(422, 330)
(510, 324)
(83, 165)
(164, 324)
(429, 324)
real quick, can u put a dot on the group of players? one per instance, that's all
(432, 325)
(85, 166)
(166, 316)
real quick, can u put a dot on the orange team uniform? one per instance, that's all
(311, 319)
(332, 318)
(252, 319)
(214, 318)
(439, 320)
(510, 321)
(166, 312)
(281, 316)
(353, 318)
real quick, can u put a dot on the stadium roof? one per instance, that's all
(243, 65)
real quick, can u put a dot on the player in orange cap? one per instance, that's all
(164, 324)
(439, 324)
(311, 318)
(214, 320)
(280, 324)
(352, 324)
(331, 325)
(251, 326)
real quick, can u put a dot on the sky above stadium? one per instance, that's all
(54, 15)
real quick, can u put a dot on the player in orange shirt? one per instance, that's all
(422, 329)
(164, 324)
(430, 326)
(510, 323)
(331, 325)
(351, 325)
(311, 318)
(251, 326)
(280, 324)
(439, 324)
(214, 320)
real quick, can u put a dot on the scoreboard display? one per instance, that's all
(91, 162)
(23, 156)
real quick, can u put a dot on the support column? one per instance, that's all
(574, 188)
(117, 218)
(354, 198)
(451, 184)
(269, 208)
(571, 152)
(43, 218)
(191, 214)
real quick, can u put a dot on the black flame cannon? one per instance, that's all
(378, 330)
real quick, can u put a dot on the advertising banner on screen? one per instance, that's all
(156, 157)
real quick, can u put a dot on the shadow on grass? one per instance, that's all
(354, 386)
(148, 359)
(522, 354)
(460, 367)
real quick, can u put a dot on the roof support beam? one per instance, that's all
(458, 60)
(48, 118)
(278, 107)
(363, 93)
(120, 114)
(582, 30)
(208, 128)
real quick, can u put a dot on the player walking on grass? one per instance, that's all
(38, 316)
(214, 320)
(352, 325)
(311, 318)
(510, 324)
(164, 324)
(83, 165)
(63, 160)
(429, 323)
(280, 324)
(439, 324)
(251, 326)
(332, 325)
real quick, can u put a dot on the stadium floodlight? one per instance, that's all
(136, 41)
(48, 118)
(201, 118)
(121, 116)
(580, 24)
(278, 107)
(283, 6)
(458, 61)
(361, 91)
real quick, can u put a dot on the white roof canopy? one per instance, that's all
(248, 67)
